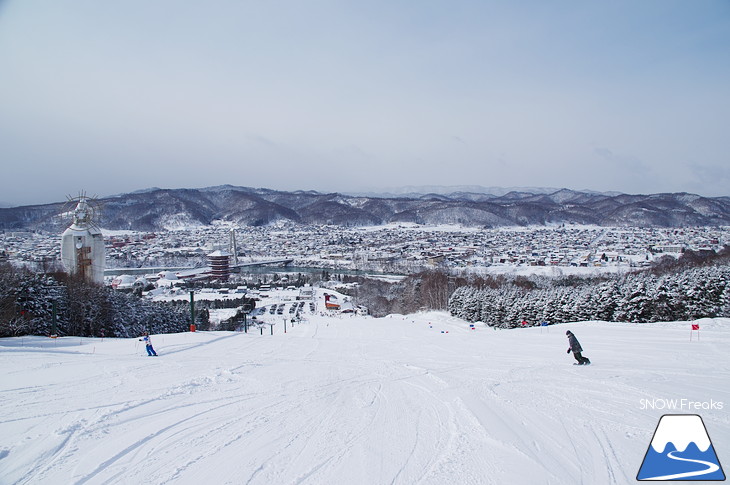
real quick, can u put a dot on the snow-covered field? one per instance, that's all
(418, 399)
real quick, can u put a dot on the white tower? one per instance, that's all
(233, 248)
(82, 245)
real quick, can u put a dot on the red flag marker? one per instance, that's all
(695, 326)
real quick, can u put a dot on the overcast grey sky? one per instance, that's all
(111, 97)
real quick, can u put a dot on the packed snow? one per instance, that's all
(347, 399)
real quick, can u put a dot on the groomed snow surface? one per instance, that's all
(417, 399)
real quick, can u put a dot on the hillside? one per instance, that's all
(158, 209)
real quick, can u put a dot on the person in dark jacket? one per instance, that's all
(574, 346)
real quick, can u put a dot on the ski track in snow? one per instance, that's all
(354, 400)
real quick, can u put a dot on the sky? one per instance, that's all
(346, 96)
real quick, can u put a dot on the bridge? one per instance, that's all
(268, 262)
(188, 272)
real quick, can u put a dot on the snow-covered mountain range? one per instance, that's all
(153, 209)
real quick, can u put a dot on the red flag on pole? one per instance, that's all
(695, 326)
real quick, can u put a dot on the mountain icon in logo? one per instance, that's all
(681, 450)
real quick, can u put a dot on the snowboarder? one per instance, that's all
(148, 342)
(574, 346)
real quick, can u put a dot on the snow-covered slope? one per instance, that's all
(355, 400)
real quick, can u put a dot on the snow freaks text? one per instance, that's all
(680, 405)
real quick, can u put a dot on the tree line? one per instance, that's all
(689, 294)
(692, 286)
(45, 304)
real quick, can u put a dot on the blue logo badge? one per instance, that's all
(681, 450)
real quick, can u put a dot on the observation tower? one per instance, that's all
(82, 244)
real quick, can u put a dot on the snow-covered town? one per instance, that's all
(282, 269)
(395, 248)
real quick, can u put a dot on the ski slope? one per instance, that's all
(355, 400)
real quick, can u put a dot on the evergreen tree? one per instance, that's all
(692, 293)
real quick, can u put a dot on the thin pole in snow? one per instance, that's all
(192, 310)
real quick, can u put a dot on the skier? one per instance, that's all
(148, 342)
(576, 349)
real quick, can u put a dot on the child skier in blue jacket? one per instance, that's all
(148, 342)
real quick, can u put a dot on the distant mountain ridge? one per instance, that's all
(156, 209)
(452, 190)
